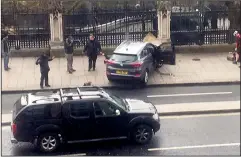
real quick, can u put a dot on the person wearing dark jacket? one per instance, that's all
(5, 50)
(92, 49)
(43, 61)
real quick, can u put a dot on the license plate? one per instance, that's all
(121, 72)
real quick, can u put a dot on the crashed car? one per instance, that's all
(137, 60)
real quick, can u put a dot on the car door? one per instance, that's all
(151, 51)
(168, 55)
(107, 123)
(78, 120)
(147, 59)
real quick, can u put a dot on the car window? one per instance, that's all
(123, 58)
(151, 49)
(104, 108)
(80, 109)
(144, 53)
(46, 111)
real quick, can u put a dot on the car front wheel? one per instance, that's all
(142, 134)
(48, 142)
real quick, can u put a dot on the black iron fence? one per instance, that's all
(204, 23)
(27, 28)
(113, 23)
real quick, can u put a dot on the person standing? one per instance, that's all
(238, 47)
(92, 49)
(5, 50)
(69, 50)
(43, 61)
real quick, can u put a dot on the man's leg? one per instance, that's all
(6, 61)
(46, 77)
(94, 61)
(42, 79)
(90, 63)
(71, 61)
(68, 56)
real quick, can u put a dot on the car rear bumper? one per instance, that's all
(123, 77)
(14, 141)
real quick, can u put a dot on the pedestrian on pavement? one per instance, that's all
(92, 49)
(238, 47)
(5, 50)
(69, 50)
(43, 61)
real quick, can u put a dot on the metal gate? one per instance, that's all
(111, 21)
(27, 27)
(204, 22)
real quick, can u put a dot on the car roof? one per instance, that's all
(130, 47)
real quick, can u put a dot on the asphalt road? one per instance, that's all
(183, 135)
(161, 95)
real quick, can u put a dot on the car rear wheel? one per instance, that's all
(142, 134)
(48, 142)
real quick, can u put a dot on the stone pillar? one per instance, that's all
(56, 28)
(56, 39)
(164, 20)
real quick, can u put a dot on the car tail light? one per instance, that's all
(137, 75)
(109, 62)
(136, 65)
(14, 128)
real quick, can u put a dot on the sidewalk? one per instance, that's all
(212, 67)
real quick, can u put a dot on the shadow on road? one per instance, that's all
(103, 148)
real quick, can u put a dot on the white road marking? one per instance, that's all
(201, 115)
(189, 94)
(197, 146)
(80, 154)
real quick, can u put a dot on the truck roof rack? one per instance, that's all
(80, 92)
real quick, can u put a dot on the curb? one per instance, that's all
(179, 113)
(134, 87)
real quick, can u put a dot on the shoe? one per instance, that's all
(73, 70)
(234, 62)
(88, 69)
(41, 87)
(70, 72)
(47, 86)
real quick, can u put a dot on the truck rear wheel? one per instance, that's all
(48, 142)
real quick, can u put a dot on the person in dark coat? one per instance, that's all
(92, 49)
(5, 50)
(43, 61)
